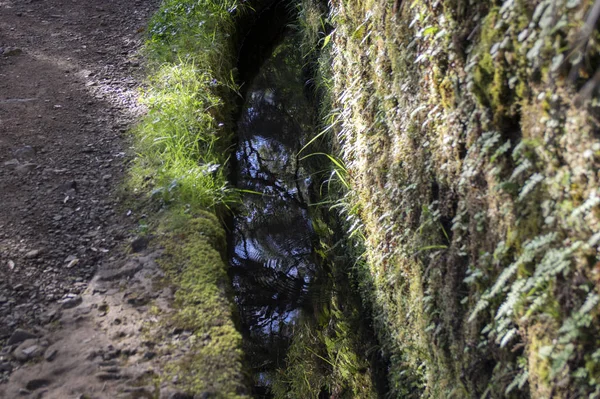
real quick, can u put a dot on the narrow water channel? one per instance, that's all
(273, 263)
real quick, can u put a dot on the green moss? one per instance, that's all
(431, 117)
(203, 302)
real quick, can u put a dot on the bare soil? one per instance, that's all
(69, 74)
(67, 96)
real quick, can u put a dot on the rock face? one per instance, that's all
(471, 142)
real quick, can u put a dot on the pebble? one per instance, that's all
(50, 354)
(25, 153)
(33, 253)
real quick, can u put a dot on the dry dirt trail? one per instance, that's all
(69, 73)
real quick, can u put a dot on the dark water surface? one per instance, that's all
(273, 263)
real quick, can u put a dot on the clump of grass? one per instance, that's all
(181, 143)
(178, 139)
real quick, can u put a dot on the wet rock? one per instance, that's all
(37, 384)
(20, 335)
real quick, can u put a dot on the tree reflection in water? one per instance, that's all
(273, 261)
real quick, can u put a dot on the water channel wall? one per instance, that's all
(469, 136)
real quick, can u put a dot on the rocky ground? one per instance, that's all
(69, 74)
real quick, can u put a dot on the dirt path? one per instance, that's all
(68, 76)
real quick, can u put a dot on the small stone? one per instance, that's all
(72, 263)
(33, 253)
(20, 335)
(50, 354)
(26, 153)
(106, 177)
(30, 350)
(11, 52)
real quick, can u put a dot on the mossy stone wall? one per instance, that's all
(470, 133)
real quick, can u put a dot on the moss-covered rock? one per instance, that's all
(194, 260)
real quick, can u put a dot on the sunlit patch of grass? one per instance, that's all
(179, 139)
(183, 141)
